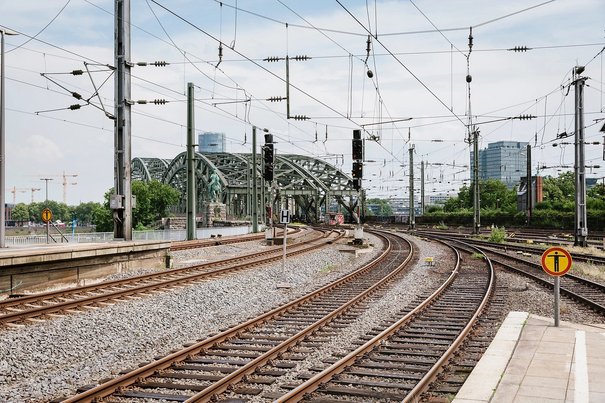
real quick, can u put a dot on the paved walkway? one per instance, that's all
(532, 361)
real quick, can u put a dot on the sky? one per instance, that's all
(417, 95)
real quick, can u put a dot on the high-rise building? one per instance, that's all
(505, 161)
(211, 142)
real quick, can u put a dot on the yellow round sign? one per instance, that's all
(556, 261)
(47, 215)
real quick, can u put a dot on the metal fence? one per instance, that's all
(92, 237)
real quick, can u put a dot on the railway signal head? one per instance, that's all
(357, 174)
(357, 145)
(268, 157)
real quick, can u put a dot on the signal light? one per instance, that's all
(357, 145)
(268, 159)
(357, 170)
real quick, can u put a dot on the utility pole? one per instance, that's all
(254, 184)
(121, 202)
(191, 191)
(411, 203)
(581, 234)
(2, 142)
(46, 180)
(530, 198)
(476, 201)
(422, 187)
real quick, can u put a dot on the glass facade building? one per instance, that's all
(505, 161)
(211, 142)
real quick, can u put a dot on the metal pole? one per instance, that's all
(287, 87)
(123, 127)
(422, 187)
(557, 299)
(191, 190)
(2, 143)
(530, 198)
(476, 201)
(580, 168)
(411, 203)
(254, 184)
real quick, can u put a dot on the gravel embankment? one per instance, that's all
(44, 361)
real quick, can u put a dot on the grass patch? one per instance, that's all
(497, 235)
(476, 255)
(327, 268)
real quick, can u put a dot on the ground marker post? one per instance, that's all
(284, 218)
(556, 262)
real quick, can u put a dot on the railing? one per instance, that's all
(92, 237)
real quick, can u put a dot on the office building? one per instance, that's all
(211, 142)
(505, 161)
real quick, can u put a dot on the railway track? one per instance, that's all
(552, 238)
(402, 361)
(578, 257)
(37, 307)
(406, 356)
(587, 292)
(203, 243)
(261, 349)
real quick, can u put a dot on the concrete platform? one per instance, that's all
(38, 267)
(531, 360)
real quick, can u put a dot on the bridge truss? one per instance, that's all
(305, 185)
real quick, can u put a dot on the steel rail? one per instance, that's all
(546, 281)
(223, 384)
(141, 289)
(327, 374)
(111, 386)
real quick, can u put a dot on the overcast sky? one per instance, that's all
(419, 56)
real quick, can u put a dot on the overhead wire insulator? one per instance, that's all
(159, 102)
(142, 64)
(519, 49)
(299, 117)
(76, 95)
(77, 72)
(301, 58)
(160, 63)
(142, 102)
(272, 59)
(276, 99)
(74, 107)
(526, 117)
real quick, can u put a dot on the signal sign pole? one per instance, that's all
(556, 262)
(284, 218)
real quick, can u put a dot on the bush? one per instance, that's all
(497, 235)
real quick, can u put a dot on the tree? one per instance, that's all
(20, 212)
(384, 207)
(153, 200)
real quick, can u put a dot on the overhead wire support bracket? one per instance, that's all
(298, 58)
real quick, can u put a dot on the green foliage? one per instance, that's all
(497, 235)
(21, 213)
(153, 200)
(384, 207)
(477, 255)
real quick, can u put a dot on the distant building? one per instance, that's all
(505, 161)
(211, 142)
(438, 198)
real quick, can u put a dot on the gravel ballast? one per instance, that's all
(43, 361)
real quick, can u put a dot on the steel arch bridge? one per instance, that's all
(306, 185)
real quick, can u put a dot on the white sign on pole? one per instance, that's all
(284, 217)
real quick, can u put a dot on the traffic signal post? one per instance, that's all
(357, 174)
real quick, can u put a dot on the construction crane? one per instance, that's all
(15, 189)
(64, 176)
